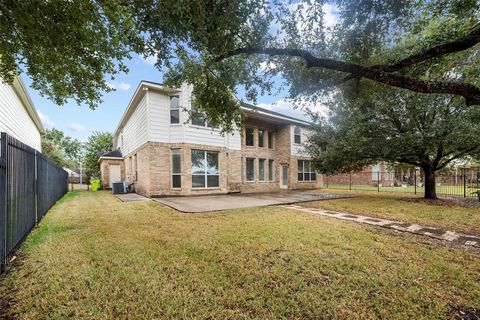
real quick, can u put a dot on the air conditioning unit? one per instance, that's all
(119, 187)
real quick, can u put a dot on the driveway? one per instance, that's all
(242, 200)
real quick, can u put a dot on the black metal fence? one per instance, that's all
(30, 184)
(455, 183)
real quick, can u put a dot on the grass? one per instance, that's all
(394, 207)
(97, 258)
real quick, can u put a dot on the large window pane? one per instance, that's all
(261, 169)
(261, 138)
(176, 161)
(197, 117)
(213, 181)
(198, 162)
(249, 137)
(198, 181)
(250, 169)
(212, 162)
(174, 116)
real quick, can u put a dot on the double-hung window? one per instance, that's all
(250, 169)
(205, 169)
(261, 169)
(261, 138)
(306, 171)
(297, 135)
(174, 109)
(176, 168)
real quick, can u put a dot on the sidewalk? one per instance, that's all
(452, 236)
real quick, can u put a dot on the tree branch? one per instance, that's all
(470, 92)
(470, 40)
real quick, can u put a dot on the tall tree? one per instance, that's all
(69, 47)
(397, 126)
(97, 144)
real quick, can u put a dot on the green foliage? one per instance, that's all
(53, 152)
(97, 144)
(396, 126)
(64, 150)
(67, 47)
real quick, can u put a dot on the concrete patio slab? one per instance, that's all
(129, 197)
(193, 204)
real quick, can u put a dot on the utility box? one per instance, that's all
(119, 187)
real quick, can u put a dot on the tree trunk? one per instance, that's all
(430, 190)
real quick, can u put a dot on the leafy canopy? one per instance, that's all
(97, 144)
(222, 47)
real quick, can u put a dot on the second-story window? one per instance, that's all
(174, 109)
(261, 138)
(297, 135)
(198, 118)
(249, 137)
(270, 140)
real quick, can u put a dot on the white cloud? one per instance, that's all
(119, 85)
(151, 60)
(267, 65)
(287, 107)
(77, 127)
(47, 122)
(331, 14)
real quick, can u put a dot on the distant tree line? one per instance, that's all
(69, 152)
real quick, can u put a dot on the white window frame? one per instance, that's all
(177, 108)
(206, 174)
(178, 152)
(303, 171)
(295, 135)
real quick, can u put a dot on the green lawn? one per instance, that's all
(394, 207)
(97, 258)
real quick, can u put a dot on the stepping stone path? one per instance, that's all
(452, 236)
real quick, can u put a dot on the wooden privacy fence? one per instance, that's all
(30, 185)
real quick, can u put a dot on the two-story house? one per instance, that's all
(163, 152)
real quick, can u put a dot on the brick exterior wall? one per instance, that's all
(151, 171)
(363, 177)
(105, 171)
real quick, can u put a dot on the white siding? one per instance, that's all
(15, 120)
(162, 131)
(299, 150)
(135, 132)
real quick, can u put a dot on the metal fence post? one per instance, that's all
(464, 185)
(415, 180)
(3, 200)
(378, 181)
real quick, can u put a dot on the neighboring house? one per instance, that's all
(164, 153)
(18, 116)
(373, 175)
